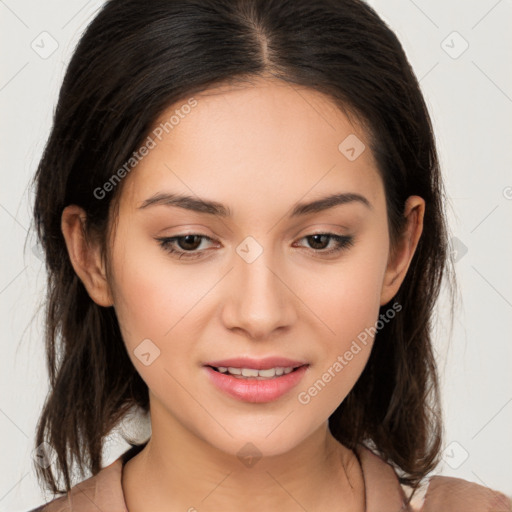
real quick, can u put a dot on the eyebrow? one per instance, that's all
(220, 210)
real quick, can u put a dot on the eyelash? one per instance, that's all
(343, 241)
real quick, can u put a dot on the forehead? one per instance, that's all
(246, 145)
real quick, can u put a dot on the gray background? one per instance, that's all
(468, 91)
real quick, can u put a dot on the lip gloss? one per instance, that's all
(254, 390)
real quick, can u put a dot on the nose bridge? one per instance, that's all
(258, 300)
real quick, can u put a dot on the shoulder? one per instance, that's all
(450, 494)
(102, 491)
(438, 494)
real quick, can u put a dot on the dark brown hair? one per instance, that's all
(134, 60)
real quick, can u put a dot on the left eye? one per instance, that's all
(341, 242)
(186, 246)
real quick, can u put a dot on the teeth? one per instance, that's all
(247, 372)
(252, 373)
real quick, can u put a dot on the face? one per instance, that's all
(261, 277)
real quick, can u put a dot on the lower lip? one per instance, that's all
(254, 390)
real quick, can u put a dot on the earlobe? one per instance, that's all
(400, 259)
(85, 256)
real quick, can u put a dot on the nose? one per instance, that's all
(258, 298)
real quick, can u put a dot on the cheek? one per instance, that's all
(153, 299)
(346, 297)
(343, 350)
(348, 302)
(155, 307)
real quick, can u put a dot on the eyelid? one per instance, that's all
(321, 228)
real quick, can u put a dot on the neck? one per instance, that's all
(179, 471)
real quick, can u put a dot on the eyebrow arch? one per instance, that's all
(220, 210)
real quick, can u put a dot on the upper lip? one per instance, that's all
(256, 364)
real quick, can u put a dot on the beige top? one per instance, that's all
(383, 491)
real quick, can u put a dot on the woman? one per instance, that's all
(246, 240)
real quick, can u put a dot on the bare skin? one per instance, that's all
(259, 150)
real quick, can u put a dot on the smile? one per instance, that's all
(256, 386)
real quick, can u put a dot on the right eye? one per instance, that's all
(183, 246)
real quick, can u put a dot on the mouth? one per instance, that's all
(257, 385)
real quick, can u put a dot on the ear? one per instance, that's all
(85, 255)
(400, 258)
